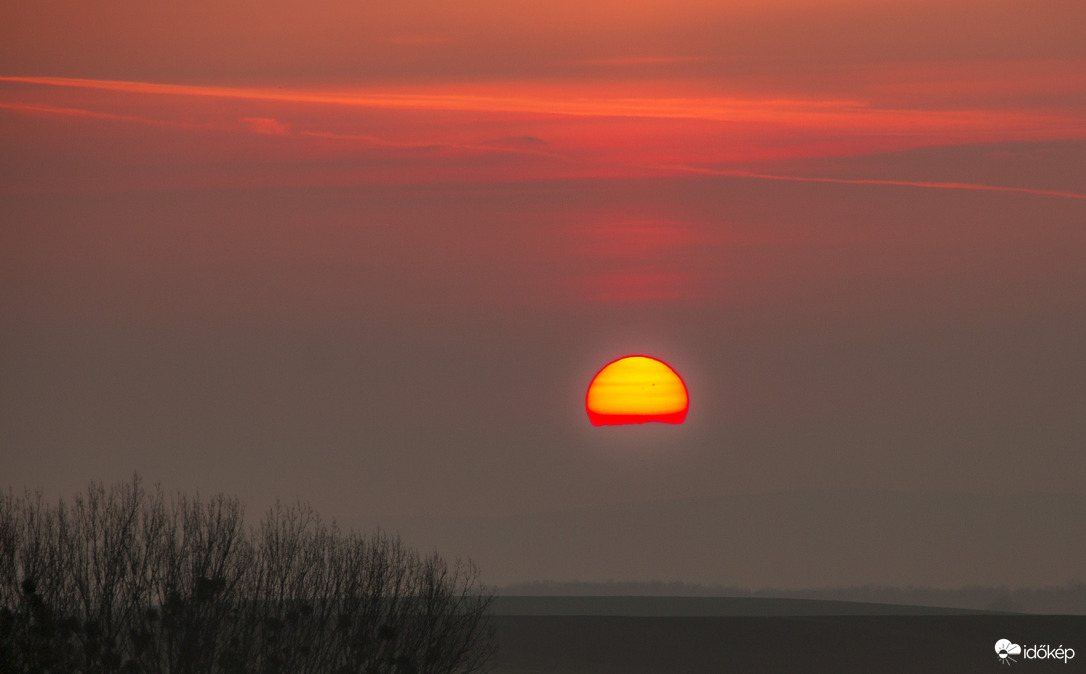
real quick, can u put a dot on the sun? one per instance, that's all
(636, 390)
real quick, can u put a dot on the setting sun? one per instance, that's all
(636, 390)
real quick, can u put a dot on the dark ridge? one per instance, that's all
(660, 607)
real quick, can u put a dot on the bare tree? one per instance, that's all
(126, 580)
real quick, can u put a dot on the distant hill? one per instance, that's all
(1067, 600)
(677, 607)
(790, 540)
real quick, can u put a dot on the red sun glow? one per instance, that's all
(636, 390)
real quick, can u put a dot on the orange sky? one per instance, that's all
(341, 40)
(494, 131)
(403, 235)
(426, 91)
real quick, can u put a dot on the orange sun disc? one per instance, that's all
(635, 390)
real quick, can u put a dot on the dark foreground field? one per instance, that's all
(768, 642)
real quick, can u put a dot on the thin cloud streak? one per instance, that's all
(587, 132)
(42, 108)
(720, 109)
(267, 126)
(567, 101)
(642, 60)
(378, 142)
(871, 181)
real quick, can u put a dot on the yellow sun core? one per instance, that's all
(636, 390)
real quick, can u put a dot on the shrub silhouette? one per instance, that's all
(125, 581)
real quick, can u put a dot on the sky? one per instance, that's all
(370, 255)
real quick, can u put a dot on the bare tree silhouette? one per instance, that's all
(125, 580)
